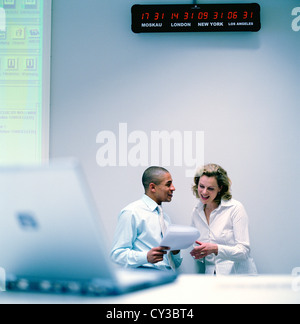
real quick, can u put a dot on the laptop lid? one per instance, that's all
(49, 228)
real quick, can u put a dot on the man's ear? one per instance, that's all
(152, 187)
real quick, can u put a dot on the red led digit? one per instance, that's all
(146, 16)
(232, 15)
(188, 15)
(203, 15)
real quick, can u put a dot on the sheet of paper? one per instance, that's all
(179, 237)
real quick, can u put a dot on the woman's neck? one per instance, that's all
(211, 207)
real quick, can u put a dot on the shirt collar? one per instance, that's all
(224, 203)
(227, 203)
(152, 205)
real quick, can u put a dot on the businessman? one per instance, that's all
(141, 226)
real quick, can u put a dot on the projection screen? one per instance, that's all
(25, 44)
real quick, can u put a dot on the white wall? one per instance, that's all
(241, 89)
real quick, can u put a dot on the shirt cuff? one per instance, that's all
(177, 259)
(138, 259)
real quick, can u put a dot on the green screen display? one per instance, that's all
(24, 80)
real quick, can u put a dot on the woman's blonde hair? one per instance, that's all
(214, 170)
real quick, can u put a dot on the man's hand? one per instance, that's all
(156, 255)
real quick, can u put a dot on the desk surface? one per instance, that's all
(188, 289)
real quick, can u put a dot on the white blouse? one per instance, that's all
(229, 229)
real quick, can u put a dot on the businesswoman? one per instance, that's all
(223, 247)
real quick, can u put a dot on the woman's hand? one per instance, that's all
(203, 250)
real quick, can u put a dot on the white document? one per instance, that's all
(179, 237)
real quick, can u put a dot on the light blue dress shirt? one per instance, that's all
(138, 231)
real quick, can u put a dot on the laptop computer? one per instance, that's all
(52, 239)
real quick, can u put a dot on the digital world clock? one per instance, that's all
(196, 18)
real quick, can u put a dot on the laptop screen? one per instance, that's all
(49, 226)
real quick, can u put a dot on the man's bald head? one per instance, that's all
(153, 175)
